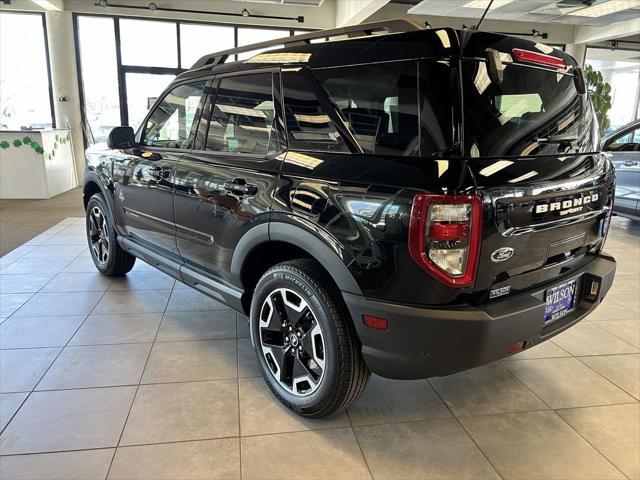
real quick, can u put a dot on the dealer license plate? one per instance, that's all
(560, 300)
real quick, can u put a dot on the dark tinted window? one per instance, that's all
(308, 125)
(170, 123)
(243, 115)
(530, 105)
(382, 105)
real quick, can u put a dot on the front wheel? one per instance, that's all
(307, 351)
(109, 258)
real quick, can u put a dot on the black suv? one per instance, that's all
(408, 201)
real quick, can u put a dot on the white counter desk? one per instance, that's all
(36, 164)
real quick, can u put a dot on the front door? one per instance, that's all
(225, 186)
(145, 175)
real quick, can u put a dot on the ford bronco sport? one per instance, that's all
(401, 200)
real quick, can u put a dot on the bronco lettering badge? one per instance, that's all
(566, 207)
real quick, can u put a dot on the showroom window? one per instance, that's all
(126, 63)
(26, 100)
(242, 118)
(619, 68)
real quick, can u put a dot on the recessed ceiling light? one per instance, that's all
(484, 3)
(602, 9)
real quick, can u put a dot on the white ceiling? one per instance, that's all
(573, 12)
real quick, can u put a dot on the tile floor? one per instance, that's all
(141, 377)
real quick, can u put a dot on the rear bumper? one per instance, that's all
(428, 342)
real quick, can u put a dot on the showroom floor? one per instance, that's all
(144, 378)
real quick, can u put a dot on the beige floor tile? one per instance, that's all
(68, 420)
(19, 252)
(208, 325)
(587, 338)
(609, 310)
(143, 280)
(20, 370)
(134, 301)
(389, 401)
(630, 300)
(78, 282)
(37, 265)
(486, 390)
(537, 445)
(183, 411)
(192, 361)
(546, 349)
(33, 332)
(627, 330)
(190, 300)
(614, 430)
(97, 366)
(63, 238)
(623, 370)
(438, 449)
(82, 264)
(118, 328)
(10, 302)
(247, 363)
(9, 404)
(55, 251)
(242, 328)
(80, 465)
(206, 460)
(566, 383)
(24, 283)
(320, 454)
(47, 304)
(261, 413)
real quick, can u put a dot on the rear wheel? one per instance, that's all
(109, 258)
(305, 346)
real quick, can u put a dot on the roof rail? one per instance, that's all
(397, 25)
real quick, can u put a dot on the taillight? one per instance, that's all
(444, 236)
(528, 56)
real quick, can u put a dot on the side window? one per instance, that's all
(172, 120)
(242, 120)
(381, 112)
(308, 125)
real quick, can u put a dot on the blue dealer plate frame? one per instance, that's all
(560, 300)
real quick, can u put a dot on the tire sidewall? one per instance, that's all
(286, 278)
(98, 200)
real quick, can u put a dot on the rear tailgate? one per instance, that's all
(531, 144)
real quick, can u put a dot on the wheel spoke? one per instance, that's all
(286, 372)
(300, 369)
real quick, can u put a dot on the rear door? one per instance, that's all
(530, 145)
(225, 186)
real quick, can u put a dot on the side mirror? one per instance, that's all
(578, 78)
(121, 137)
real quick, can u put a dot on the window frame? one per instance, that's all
(142, 129)
(123, 69)
(45, 35)
(210, 103)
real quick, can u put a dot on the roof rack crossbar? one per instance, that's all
(389, 26)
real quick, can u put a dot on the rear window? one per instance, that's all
(529, 106)
(394, 108)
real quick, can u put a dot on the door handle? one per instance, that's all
(630, 163)
(239, 186)
(159, 173)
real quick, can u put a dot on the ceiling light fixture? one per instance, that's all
(483, 4)
(607, 8)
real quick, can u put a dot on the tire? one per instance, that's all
(109, 258)
(321, 372)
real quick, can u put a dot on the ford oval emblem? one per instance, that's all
(502, 254)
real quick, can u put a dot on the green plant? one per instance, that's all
(600, 92)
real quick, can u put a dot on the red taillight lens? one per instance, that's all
(444, 236)
(375, 322)
(528, 56)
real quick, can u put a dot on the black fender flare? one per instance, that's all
(298, 237)
(92, 177)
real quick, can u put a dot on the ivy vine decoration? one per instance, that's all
(30, 142)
